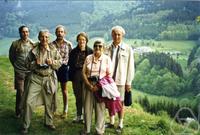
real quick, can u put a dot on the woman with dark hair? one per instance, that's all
(76, 61)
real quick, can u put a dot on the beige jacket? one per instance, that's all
(125, 68)
(17, 54)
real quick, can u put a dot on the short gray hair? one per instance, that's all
(117, 27)
(99, 41)
(61, 26)
(43, 31)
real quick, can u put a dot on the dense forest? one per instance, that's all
(172, 20)
(152, 19)
(159, 74)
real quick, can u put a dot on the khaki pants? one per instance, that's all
(121, 89)
(90, 104)
(38, 95)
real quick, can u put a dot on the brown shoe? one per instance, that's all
(51, 127)
(64, 115)
(24, 131)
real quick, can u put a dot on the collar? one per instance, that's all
(64, 41)
(25, 41)
(48, 49)
(121, 45)
(37, 49)
(99, 59)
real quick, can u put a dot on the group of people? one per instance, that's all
(100, 77)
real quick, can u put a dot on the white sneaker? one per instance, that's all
(78, 119)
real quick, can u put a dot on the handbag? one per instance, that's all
(128, 98)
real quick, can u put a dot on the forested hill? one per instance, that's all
(173, 20)
(41, 14)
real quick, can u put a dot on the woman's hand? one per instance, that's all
(93, 88)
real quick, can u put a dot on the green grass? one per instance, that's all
(182, 46)
(136, 122)
(153, 98)
(5, 45)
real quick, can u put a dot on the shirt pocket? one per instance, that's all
(124, 57)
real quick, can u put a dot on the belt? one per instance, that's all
(39, 74)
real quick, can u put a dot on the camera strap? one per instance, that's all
(48, 55)
(92, 66)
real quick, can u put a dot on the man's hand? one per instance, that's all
(127, 87)
(38, 61)
(49, 61)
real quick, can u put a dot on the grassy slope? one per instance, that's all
(137, 122)
(5, 45)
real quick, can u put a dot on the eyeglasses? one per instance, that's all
(100, 46)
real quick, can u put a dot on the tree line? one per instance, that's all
(158, 20)
(157, 73)
(177, 110)
(167, 20)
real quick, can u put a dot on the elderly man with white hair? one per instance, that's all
(123, 70)
(41, 88)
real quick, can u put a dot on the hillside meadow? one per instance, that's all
(137, 121)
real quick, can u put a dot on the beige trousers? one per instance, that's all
(99, 108)
(37, 95)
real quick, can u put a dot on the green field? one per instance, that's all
(137, 122)
(184, 46)
(173, 47)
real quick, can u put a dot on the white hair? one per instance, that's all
(99, 41)
(117, 27)
(43, 31)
